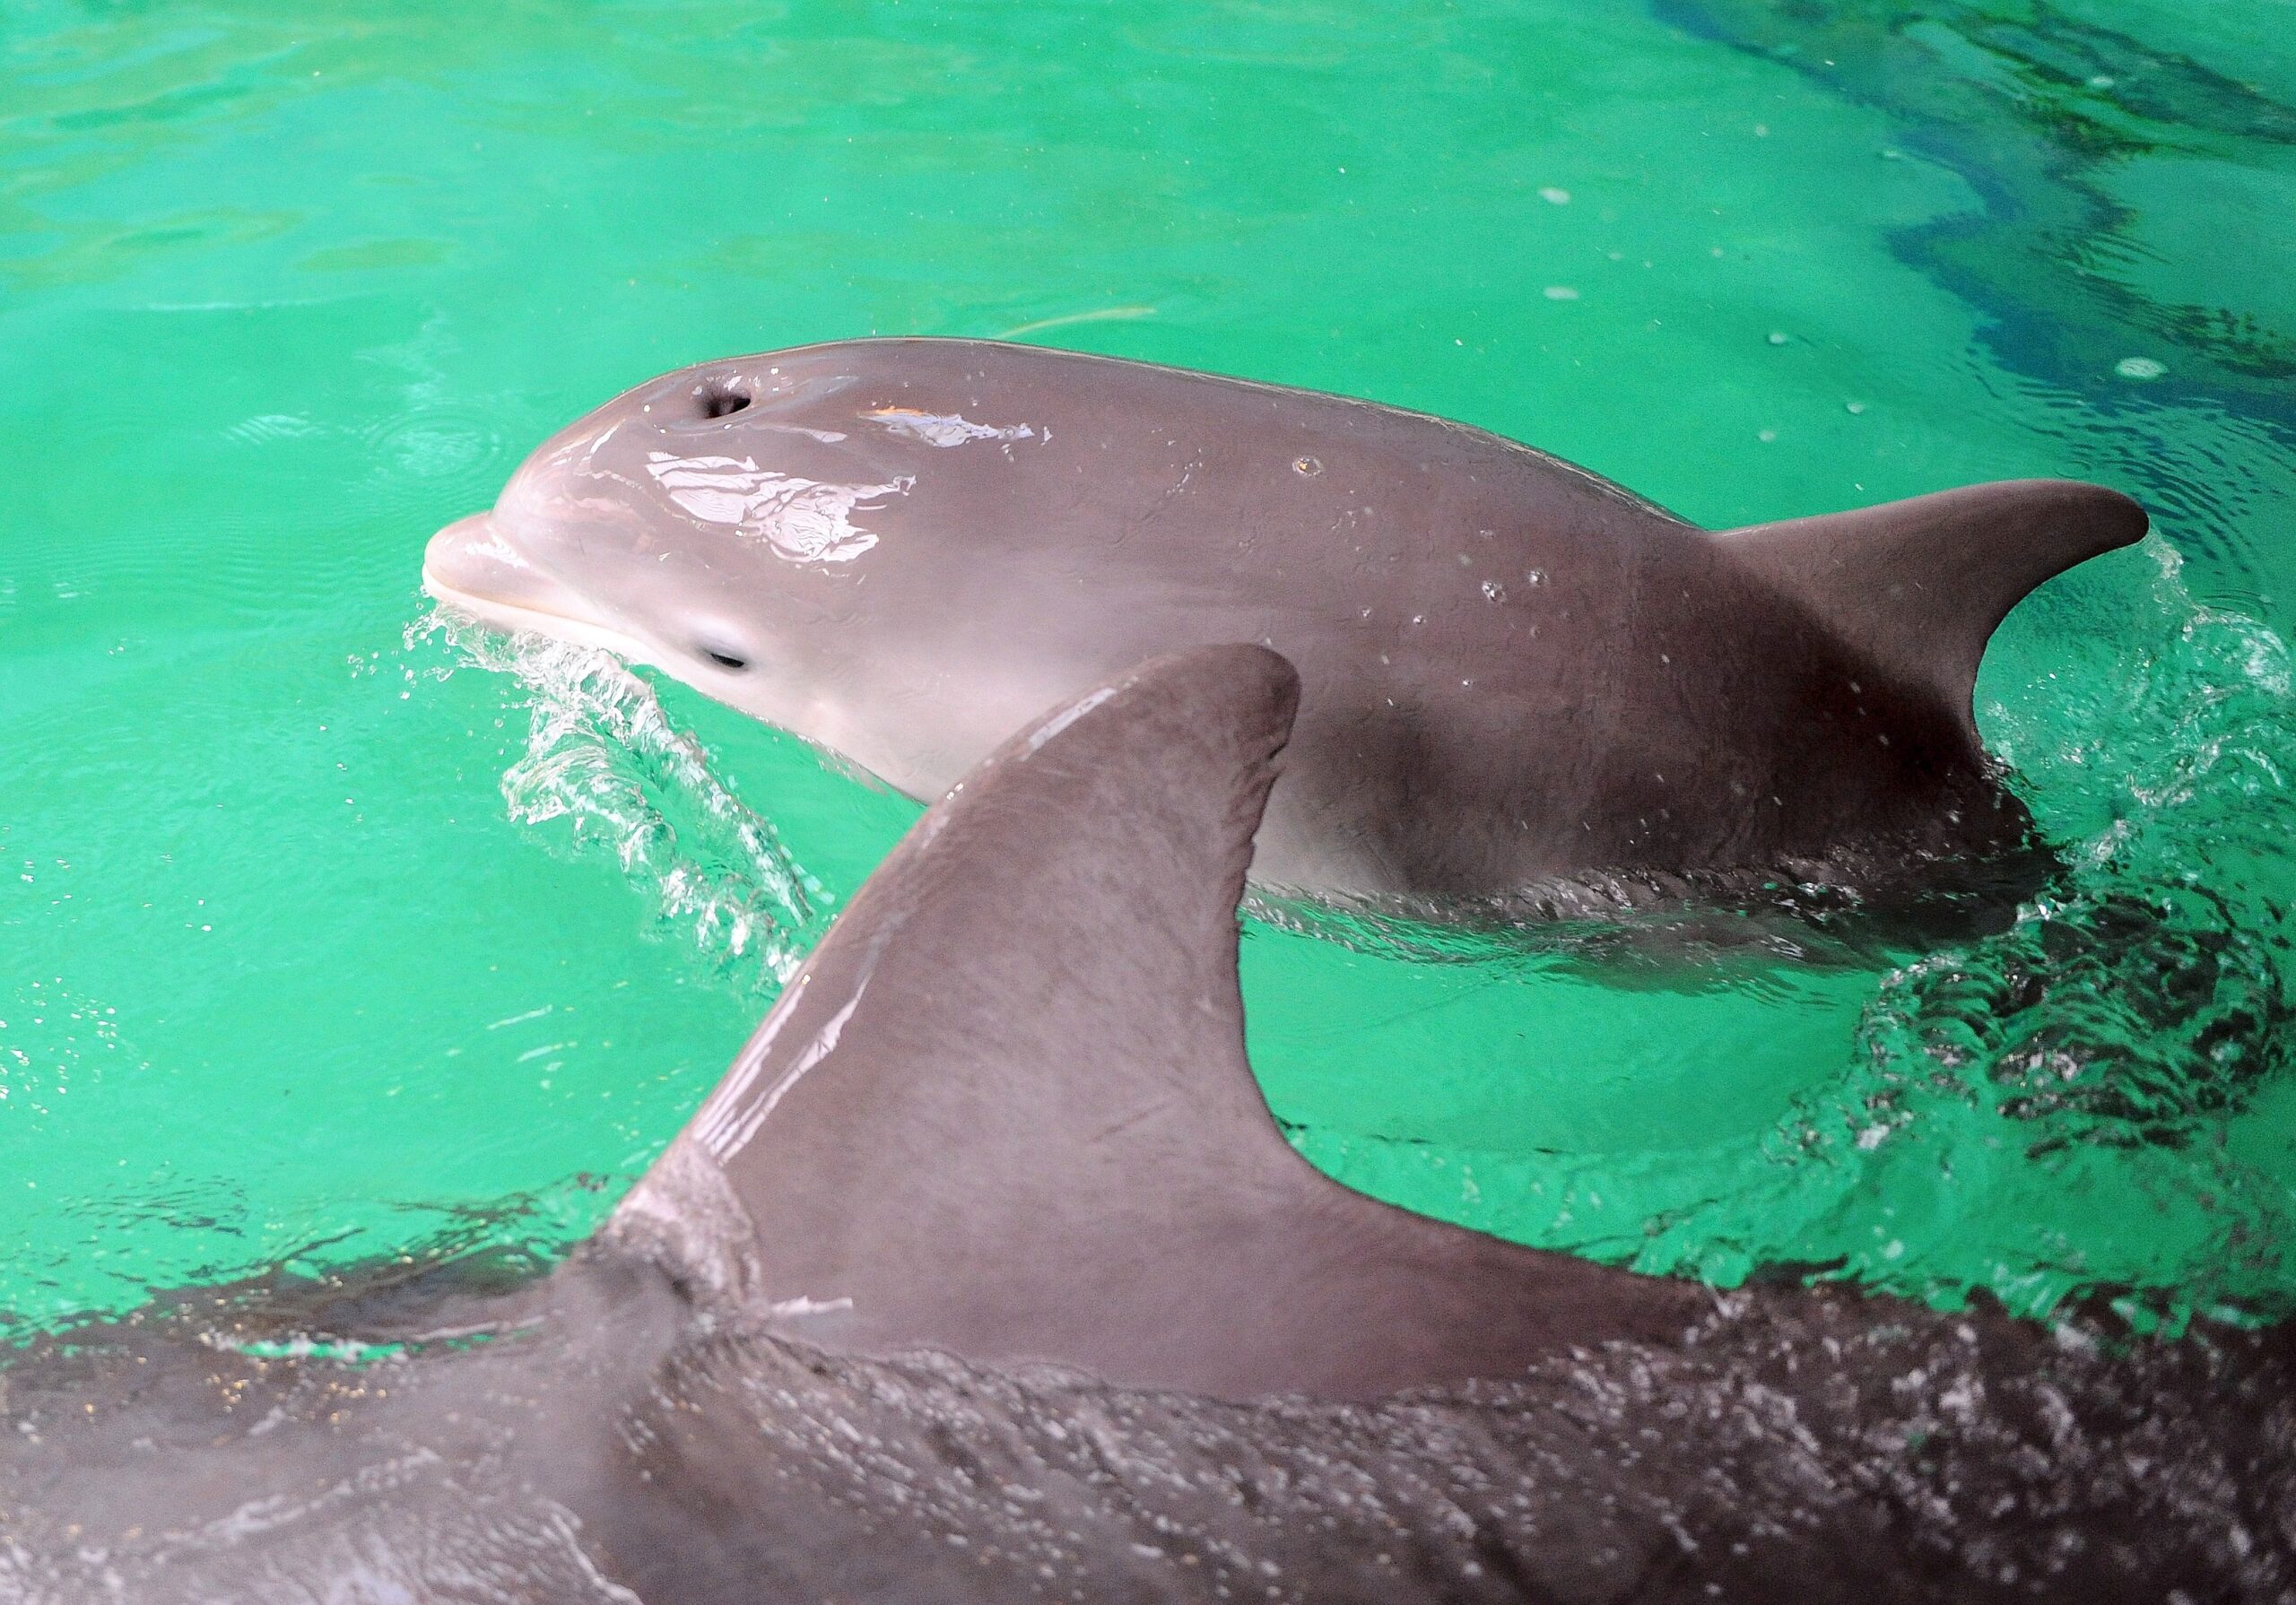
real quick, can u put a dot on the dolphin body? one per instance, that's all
(1521, 684)
(985, 1275)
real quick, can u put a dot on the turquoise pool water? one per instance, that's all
(331, 936)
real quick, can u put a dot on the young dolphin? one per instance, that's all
(1003, 1117)
(1521, 682)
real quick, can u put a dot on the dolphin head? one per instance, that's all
(721, 523)
(656, 526)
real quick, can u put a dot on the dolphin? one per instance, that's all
(1523, 686)
(985, 1274)
(1097, 1044)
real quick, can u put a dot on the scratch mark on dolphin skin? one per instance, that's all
(946, 429)
(724, 1126)
(1129, 1121)
(1068, 716)
(801, 519)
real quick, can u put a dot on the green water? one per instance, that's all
(325, 939)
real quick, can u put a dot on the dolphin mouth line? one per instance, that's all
(515, 617)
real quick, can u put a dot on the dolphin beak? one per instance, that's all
(474, 567)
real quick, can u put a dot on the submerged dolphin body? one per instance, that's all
(971, 1282)
(1520, 679)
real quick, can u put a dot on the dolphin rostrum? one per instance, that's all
(1520, 682)
(973, 1279)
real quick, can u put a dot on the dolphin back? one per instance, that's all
(1004, 1112)
(1920, 586)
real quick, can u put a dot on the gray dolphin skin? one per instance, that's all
(1093, 1051)
(1519, 680)
(984, 1275)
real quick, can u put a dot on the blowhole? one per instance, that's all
(722, 402)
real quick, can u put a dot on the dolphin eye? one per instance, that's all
(720, 401)
(725, 660)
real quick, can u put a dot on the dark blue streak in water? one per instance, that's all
(2030, 112)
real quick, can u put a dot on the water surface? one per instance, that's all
(329, 937)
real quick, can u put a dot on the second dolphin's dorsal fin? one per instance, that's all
(1919, 585)
(1005, 1110)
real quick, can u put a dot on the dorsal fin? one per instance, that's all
(1921, 585)
(1005, 1110)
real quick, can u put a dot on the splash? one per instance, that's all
(602, 755)
(2105, 1053)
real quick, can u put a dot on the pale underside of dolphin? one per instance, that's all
(1514, 674)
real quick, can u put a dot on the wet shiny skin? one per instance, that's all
(1523, 681)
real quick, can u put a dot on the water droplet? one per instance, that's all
(1306, 467)
(1493, 591)
(1560, 292)
(1555, 196)
(1534, 576)
(2140, 367)
(1766, 435)
(1777, 338)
